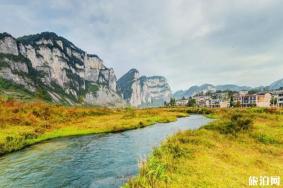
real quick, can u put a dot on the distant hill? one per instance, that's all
(276, 85)
(208, 87)
(232, 87)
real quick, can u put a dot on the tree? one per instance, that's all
(172, 102)
(253, 91)
(165, 103)
(191, 102)
(232, 102)
(273, 101)
(183, 98)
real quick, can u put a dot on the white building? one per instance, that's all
(182, 102)
(263, 100)
(279, 96)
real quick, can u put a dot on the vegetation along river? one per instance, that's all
(102, 160)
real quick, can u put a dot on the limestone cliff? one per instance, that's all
(144, 91)
(52, 67)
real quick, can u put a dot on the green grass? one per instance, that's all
(220, 154)
(9, 89)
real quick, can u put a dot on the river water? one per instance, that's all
(102, 160)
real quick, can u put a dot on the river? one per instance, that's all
(102, 160)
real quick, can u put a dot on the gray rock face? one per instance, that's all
(56, 65)
(8, 44)
(144, 91)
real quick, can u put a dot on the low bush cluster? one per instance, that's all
(196, 110)
(239, 122)
(232, 123)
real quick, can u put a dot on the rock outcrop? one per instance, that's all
(49, 65)
(144, 91)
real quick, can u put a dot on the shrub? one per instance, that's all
(199, 110)
(238, 122)
(265, 139)
(232, 123)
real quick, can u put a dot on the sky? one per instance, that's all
(190, 42)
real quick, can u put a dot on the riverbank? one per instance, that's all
(23, 124)
(240, 143)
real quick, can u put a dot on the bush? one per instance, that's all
(232, 123)
(238, 122)
(196, 110)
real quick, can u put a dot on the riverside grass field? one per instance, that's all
(26, 123)
(239, 143)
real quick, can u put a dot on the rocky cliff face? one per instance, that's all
(51, 66)
(144, 91)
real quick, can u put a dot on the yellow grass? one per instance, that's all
(211, 158)
(23, 124)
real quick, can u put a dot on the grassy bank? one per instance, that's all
(23, 124)
(240, 143)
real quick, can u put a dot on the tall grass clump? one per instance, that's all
(235, 123)
(238, 123)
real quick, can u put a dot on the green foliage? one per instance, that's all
(9, 85)
(192, 102)
(237, 122)
(41, 93)
(232, 104)
(17, 58)
(5, 58)
(6, 84)
(172, 102)
(3, 35)
(273, 101)
(197, 110)
(266, 139)
(32, 74)
(93, 88)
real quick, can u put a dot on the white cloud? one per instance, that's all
(189, 42)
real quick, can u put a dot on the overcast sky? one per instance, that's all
(188, 41)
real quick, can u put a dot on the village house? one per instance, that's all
(241, 99)
(214, 100)
(218, 103)
(263, 99)
(278, 96)
(237, 100)
(248, 100)
(182, 102)
(202, 101)
(253, 100)
(219, 100)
